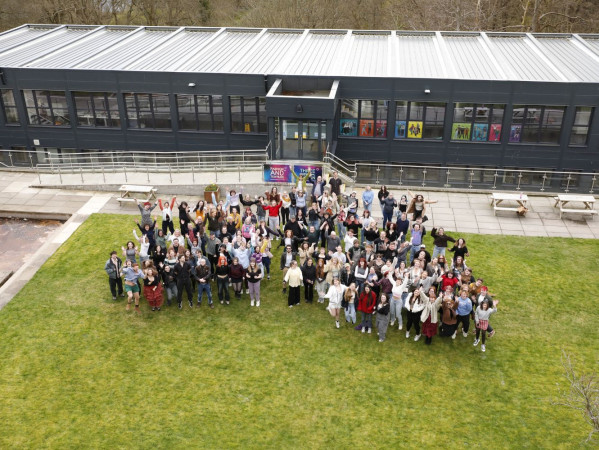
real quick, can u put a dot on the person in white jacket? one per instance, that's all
(335, 296)
(415, 303)
(397, 298)
(481, 317)
(144, 246)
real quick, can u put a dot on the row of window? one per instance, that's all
(533, 124)
(151, 111)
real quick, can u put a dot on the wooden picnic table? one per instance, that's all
(129, 192)
(587, 207)
(521, 201)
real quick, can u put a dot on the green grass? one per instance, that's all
(79, 371)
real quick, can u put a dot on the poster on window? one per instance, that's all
(366, 128)
(277, 173)
(515, 133)
(400, 129)
(415, 130)
(495, 132)
(480, 132)
(300, 172)
(460, 131)
(381, 128)
(348, 127)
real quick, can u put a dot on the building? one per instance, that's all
(439, 98)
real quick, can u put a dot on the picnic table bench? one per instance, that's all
(129, 192)
(498, 198)
(588, 202)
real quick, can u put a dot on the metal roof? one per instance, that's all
(335, 53)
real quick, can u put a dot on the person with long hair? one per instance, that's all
(418, 205)
(321, 279)
(382, 317)
(366, 306)
(335, 296)
(481, 318)
(309, 276)
(130, 252)
(460, 249)
(182, 273)
(430, 314)
(414, 305)
(350, 298)
(153, 289)
(254, 276)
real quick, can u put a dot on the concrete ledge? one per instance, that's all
(4, 276)
(35, 215)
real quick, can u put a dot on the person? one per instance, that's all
(449, 320)
(222, 277)
(481, 318)
(266, 254)
(146, 211)
(132, 274)
(361, 273)
(418, 206)
(460, 249)
(430, 314)
(463, 311)
(305, 252)
(317, 188)
(388, 205)
(130, 252)
(382, 195)
(183, 218)
(170, 283)
(202, 276)
(113, 268)
(366, 306)
(335, 182)
(350, 298)
(167, 215)
(403, 204)
(440, 240)
(273, 215)
(236, 275)
(368, 198)
(309, 276)
(253, 276)
(182, 273)
(382, 317)
(153, 289)
(293, 278)
(414, 305)
(335, 296)
(287, 257)
(321, 279)
(397, 298)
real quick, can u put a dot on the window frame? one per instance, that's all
(587, 126)
(377, 122)
(91, 97)
(150, 109)
(408, 104)
(197, 114)
(261, 116)
(526, 127)
(12, 107)
(48, 94)
(473, 121)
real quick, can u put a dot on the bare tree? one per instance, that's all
(582, 396)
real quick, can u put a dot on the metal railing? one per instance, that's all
(344, 168)
(62, 162)
(476, 178)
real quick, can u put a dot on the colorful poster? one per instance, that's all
(495, 133)
(415, 130)
(480, 132)
(515, 133)
(301, 171)
(381, 128)
(460, 131)
(366, 128)
(348, 127)
(277, 173)
(400, 129)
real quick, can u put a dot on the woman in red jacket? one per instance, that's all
(366, 307)
(448, 279)
(273, 214)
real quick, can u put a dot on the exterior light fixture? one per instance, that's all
(427, 91)
(191, 85)
(299, 108)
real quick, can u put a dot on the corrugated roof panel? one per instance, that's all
(317, 55)
(225, 48)
(519, 60)
(593, 43)
(469, 57)
(27, 52)
(121, 55)
(22, 35)
(368, 55)
(569, 58)
(417, 56)
(173, 52)
(267, 53)
(72, 54)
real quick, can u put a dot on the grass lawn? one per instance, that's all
(79, 371)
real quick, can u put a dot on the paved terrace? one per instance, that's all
(73, 197)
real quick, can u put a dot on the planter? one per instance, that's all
(208, 194)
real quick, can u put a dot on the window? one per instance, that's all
(47, 108)
(477, 122)
(97, 109)
(536, 124)
(419, 120)
(582, 122)
(148, 111)
(200, 112)
(248, 114)
(11, 115)
(363, 118)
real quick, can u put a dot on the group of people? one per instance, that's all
(332, 247)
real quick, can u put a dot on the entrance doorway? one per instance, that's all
(302, 139)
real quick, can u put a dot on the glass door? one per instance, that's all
(302, 139)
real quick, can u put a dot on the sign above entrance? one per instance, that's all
(277, 173)
(286, 173)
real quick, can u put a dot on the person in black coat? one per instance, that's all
(309, 275)
(182, 273)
